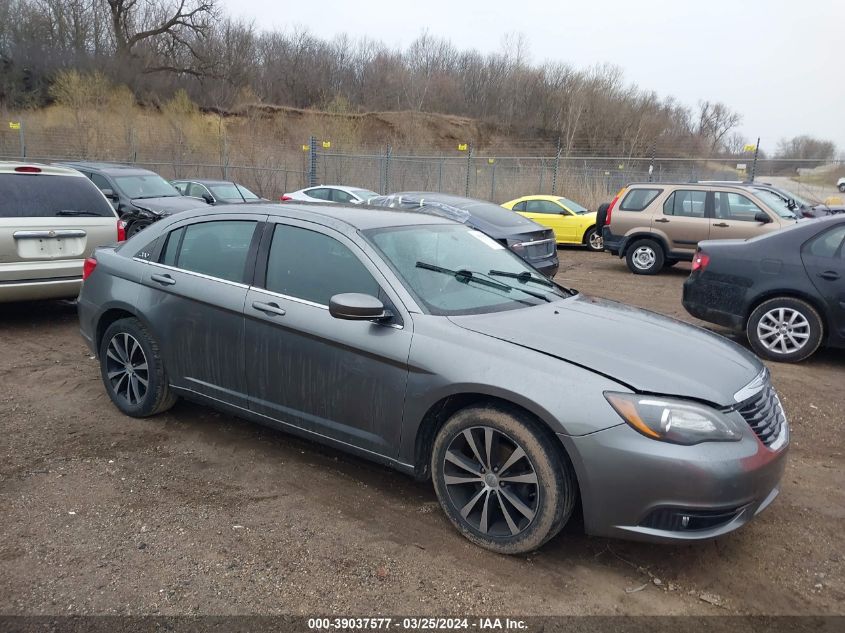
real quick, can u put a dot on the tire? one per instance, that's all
(645, 257)
(547, 501)
(593, 240)
(127, 392)
(785, 329)
(136, 227)
(842, 188)
(601, 215)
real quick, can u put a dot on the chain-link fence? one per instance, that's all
(252, 153)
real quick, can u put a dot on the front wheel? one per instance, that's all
(593, 240)
(785, 329)
(136, 227)
(842, 187)
(644, 257)
(500, 481)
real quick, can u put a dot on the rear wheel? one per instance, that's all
(593, 239)
(500, 481)
(644, 257)
(132, 370)
(785, 329)
(842, 187)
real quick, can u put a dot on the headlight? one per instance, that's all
(672, 420)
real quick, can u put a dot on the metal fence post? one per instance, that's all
(469, 169)
(387, 169)
(651, 165)
(493, 182)
(440, 174)
(753, 163)
(542, 173)
(312, 171)
(22, 138)
(554, 173)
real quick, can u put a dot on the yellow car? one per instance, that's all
(572, 223)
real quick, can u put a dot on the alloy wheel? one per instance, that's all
(596, 242)
(644, 257)
(127, 371)
(491, 481)
(783, 330)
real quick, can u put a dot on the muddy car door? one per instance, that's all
(195, 293)
(824, 261)
(341, 379)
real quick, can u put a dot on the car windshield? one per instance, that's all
(776, 204)
(573, 206)
(801, 202)
(146, 186)
(231, 192)
(454, 270)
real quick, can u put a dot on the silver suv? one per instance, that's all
(51, 219)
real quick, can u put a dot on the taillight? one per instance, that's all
(612, 204)
(88, 267)
(285, 198)
(28, 169)
(700, 261)
(121, 231)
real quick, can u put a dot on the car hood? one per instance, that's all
(648, 352)
(168, 204)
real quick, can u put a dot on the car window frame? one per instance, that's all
(160, 244)
(708, 204)
(520, 209)
(752, 199)
(656, 197)
(838, 254)
(559, 209)
(401, 303)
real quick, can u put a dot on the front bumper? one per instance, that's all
(635, 488)
(548, 266)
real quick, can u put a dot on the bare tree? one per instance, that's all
(715, 120)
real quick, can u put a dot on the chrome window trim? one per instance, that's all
(237, 284)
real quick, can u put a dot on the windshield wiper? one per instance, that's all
(166, 195)
(466, 276)
(76, 212)
(524, 277)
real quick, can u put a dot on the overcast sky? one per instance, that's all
(780, 63)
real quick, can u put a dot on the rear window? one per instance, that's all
(638, 199)
(33, 195)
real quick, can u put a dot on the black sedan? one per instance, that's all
(217, 191)
(785, 289)
(532, 242)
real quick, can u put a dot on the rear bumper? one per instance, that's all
(548, 267)
(637, 488)
(37, 289)
(715, 302)
(614, 244)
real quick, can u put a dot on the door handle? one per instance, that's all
(722, 225)
(661, 220)
(271, 309)
(164, 280)
(830, 275)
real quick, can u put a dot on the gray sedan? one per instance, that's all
(427, 346)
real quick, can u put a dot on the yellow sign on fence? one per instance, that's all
(305, 148)
(462, 147)
(327, 144)
(15, 125)
(749, 148)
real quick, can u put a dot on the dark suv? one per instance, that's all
(532, 242)
(138, 195)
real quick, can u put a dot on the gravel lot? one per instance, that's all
(198, 512)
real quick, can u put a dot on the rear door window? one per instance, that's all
(34, 195)
(313, 266)
(338, 195)
(321, 193)
(830, 244)
(218, 249)
(686, 203)
(638, 199)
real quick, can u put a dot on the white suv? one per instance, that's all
(840, 184)
(51, 219)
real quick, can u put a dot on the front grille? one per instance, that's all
(764, 414)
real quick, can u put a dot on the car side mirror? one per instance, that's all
(109, 193)
(762, 216)
(354, 306)
(208, 198)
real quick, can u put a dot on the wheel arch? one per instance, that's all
(630, 239)
(112, 314)
(587, 230)
(440, 412)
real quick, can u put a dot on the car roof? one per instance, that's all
(335, 215)
(9, 167)
(540, 196)
(110, 168)
(204, 181)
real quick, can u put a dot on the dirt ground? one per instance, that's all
(198, 512)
